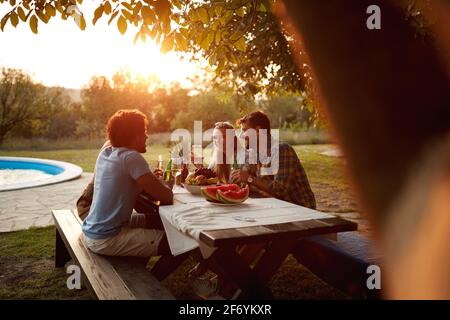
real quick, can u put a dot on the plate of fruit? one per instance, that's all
(227, 194)
(200, 178)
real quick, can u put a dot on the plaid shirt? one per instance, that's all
(289, 182)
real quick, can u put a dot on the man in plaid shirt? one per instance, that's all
(284, 177)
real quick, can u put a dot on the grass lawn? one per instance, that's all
(26, 257)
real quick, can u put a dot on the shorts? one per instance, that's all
(137, 242)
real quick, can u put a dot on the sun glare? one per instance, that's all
(63, 55)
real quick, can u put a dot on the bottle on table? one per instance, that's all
(235, 164)
(168, 172)
(184, 172)
(160, 162)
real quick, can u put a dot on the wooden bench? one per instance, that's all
(107, 278)
(342, 263)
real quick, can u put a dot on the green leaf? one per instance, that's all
(3, 22)
(50, 10)
(181, 42)
(136, 37)
(137, 8)
(122, 24)
(262, 8)
(113, 16)
(98, 13)
(107, 7)
(193, 15)
(127, 5)
(166, 25)
(206, 42)
(167, 44)
(14, 19)
(236, 35)
(218, 37)
(42, 16)
(240, 12)
(177, 4)
(82, 23)
(203, 14)
(34, 24)
(212, 60)
(215, 25)
(218, 10)
(226, 18)
(127, 14)
(241, 44)
(220, 66)
(57, 6)
(21, 14)
(148, 15)
(143, 36)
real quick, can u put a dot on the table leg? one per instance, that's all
(167, 264)
(275, 254)
(231, 266)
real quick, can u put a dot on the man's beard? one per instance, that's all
(143, 149)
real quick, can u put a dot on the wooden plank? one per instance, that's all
(270, 232)
(138, 278)
(108, 277)
(102, 278)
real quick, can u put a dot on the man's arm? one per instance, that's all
(155, 188)
(279, 185)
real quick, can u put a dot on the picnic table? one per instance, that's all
(192, 222)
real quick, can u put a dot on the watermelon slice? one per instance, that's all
(232, 196)
(210, 193)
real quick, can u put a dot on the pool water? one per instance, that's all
(11, 176)
(19, 173)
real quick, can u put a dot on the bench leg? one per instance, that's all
(62, 256)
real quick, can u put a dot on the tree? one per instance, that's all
(209, 107)
(287, 109)
(19, 96)
(241, 39)
(250, 50)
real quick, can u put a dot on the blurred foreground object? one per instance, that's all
(386, 93)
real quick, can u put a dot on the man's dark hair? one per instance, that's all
(257, 118)
(124, 126)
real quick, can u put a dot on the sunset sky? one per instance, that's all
(63, 55)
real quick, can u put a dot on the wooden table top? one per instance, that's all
(290, 230)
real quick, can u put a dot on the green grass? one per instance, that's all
(26, 257)
(26, 267)
(320, 168)
(85, 158)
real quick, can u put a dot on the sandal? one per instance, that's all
(205, 287)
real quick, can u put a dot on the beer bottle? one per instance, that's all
(168, 172)
(235, 165)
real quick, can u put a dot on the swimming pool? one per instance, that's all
(19, 173)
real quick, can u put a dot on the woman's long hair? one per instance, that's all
(223, 170)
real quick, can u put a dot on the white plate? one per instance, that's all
(193, 188)
(225, 204)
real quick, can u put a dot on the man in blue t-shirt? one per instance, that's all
(121, 173)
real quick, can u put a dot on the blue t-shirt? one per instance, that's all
(115, 191)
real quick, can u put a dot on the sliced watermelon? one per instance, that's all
(232, 196)
(210, 193)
